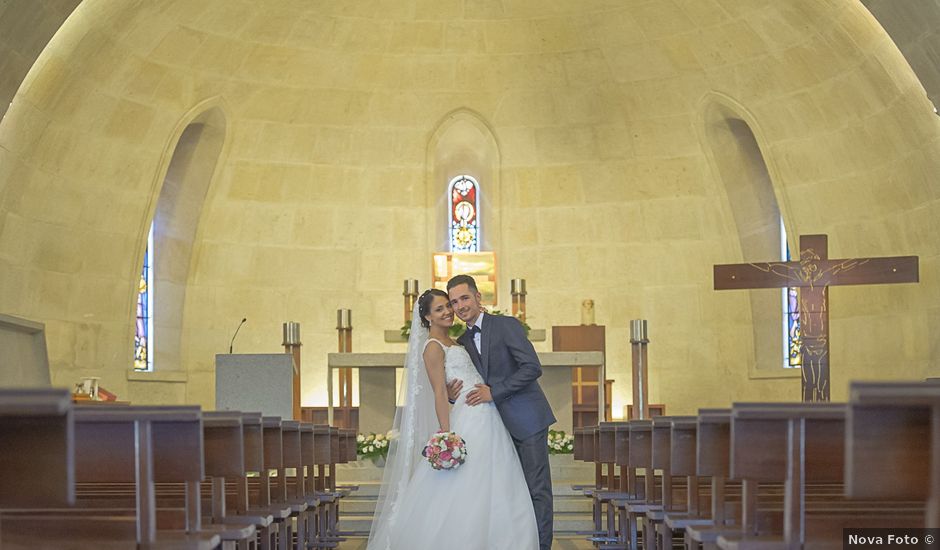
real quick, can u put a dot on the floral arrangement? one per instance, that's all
(373, 445)
(445, 451)
(458, 328)
(560, 443)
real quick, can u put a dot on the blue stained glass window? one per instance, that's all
(464, 214)
(143, 334)
(792, 334)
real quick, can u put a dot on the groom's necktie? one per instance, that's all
(475, 336)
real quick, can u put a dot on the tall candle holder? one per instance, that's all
(639, 338)
(518, 292)
(344, 335)
(292, 346)
(411, 296)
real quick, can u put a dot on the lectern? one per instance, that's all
(257, 382)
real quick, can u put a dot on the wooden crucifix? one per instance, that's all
(814, 273)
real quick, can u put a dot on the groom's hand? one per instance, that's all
(481, 394)
(453, 389)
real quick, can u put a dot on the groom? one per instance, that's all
(509, 366)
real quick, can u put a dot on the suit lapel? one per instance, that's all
(467, 342)
(485, 339)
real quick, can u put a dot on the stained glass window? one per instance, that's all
(464, 214)
(792, 335)
(143, 341)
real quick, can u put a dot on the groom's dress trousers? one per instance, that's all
(509, 365)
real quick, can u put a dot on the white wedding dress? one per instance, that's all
(482, 505)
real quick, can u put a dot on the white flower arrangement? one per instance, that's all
(374, 445)
(560, 443)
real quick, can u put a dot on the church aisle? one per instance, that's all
(572, 510)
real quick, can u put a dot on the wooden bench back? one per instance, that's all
(322, 444)
(106, 443)
(590, 444)
(683, 446)
(606, 442)
(641, 444)
(579, 443)
(308, 456)
(661, 458)
(254, 441)
(273, 442)
(758, 447)
(349, 445)
(307, 448)
(890, 424)
(713, 443)
(224, 443)
(622, 444)
(336, 452)
(37, 466)
(291, 447)
(823, 436)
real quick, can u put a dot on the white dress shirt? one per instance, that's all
(478, 336)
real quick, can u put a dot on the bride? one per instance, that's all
(482, 505)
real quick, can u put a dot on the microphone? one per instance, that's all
(232, 343)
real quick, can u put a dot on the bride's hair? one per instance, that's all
(424, 304)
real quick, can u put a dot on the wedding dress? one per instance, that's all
(482, 505)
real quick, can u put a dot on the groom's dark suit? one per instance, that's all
(510, 367)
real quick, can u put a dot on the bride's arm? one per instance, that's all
(434, 363)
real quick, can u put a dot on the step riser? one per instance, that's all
(560, 488)
(367, 506)
(564, 526)
(564, 468)
(572, 509)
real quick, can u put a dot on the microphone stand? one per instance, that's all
(232, 343)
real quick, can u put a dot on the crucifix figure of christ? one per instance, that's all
(814, 273)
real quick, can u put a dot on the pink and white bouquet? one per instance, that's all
(445, 451)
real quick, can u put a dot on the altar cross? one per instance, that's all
(814, 273)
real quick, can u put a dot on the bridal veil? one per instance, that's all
(415, 422)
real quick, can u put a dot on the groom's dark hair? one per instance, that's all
(457, 280)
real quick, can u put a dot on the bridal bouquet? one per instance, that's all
(445, 451)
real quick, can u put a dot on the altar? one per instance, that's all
(377, 384)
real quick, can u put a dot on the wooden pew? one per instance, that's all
(272, 499)
(579, 444)
(348, 454)
(601, 441)
(893, 428)
(801, 445)
(673, 494)
(306, 483)
(117, 447)
(292, 459)
(585, 449)
(645, 498)
(37, 465)
(609, 489)
(713, 461)
(240, 506)
(325, 490)
(627, 486)
(683, 450)
(224, 444)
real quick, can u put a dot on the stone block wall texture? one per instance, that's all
(596, 117)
